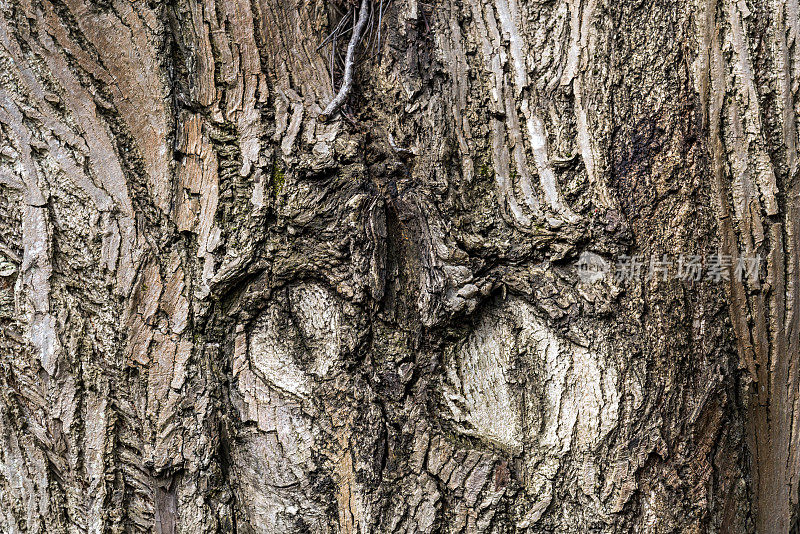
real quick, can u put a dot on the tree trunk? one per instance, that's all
(222, 312)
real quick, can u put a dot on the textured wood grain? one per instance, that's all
(219, 313)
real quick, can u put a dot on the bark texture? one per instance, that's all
(222, 314)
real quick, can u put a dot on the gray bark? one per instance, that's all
(219, 313)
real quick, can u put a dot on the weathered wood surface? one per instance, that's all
(221, 314)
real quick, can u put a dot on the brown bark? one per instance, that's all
(222, 314)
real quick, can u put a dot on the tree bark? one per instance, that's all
(222, 314)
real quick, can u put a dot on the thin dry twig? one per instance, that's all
(333, 35)
(333, 54)
(380, 21)
(349, 60)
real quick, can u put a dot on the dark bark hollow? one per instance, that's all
(220, 313)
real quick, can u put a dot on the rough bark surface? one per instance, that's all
(221, 314)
